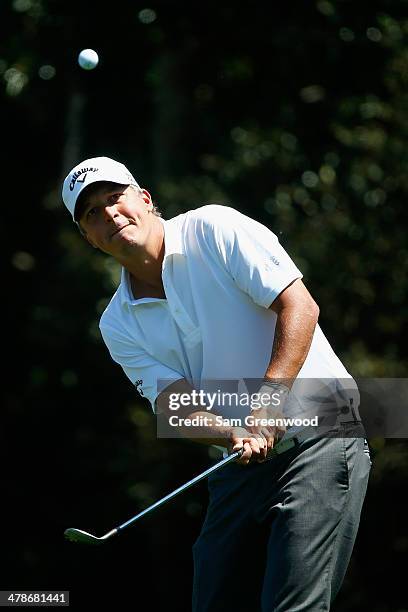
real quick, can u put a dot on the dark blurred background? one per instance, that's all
(297, 115)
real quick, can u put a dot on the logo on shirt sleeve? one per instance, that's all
(138, 385)
(271, 259)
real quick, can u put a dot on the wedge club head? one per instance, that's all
(77, 535)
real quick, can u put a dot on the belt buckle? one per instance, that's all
(284, 446)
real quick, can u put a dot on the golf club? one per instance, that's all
(77, 535)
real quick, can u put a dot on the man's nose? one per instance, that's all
(110, 212)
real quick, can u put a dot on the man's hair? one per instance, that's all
(89, 191)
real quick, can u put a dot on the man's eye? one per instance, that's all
(91, 212)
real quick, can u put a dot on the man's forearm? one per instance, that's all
(208, 431)
(293, 336)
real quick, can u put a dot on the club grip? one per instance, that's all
(236, 454)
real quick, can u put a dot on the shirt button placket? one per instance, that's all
(177, 310)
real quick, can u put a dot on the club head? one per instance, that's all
(77, 535)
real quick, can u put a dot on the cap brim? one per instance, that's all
(92, 181)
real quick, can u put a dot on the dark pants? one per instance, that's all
(278, 535)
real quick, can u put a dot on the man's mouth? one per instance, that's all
(118, 229)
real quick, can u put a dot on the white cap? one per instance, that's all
(91, 171)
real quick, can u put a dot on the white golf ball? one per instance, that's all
(88, 59)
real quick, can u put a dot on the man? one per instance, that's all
(211, 297)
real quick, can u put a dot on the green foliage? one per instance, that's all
(296, 115)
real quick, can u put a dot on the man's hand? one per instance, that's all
(254, 445)
(272, 397)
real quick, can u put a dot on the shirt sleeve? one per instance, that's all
(250, 252)
(148, 375)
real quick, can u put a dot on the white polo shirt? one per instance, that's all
(221, 272)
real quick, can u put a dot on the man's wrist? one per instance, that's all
(272, 395)
(276, 384)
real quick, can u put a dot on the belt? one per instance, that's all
(285, 445)
(349, 413)
(346, 414)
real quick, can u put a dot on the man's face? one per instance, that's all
(117, 218)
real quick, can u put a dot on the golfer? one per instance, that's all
(211, 297)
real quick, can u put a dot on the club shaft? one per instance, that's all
(185, 486)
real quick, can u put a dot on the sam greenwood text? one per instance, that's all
(249, 420)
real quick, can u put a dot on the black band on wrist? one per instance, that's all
(275, 384)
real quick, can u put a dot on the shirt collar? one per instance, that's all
(173, 245)
(173, 238)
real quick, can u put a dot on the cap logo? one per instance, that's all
(77, 174)
(138, 385)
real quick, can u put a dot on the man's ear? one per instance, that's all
(147, 198)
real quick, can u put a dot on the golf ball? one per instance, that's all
(88, 59)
